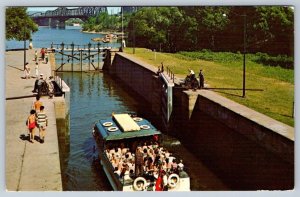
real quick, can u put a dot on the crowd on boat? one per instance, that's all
(150, 161)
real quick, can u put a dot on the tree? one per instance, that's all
(276, 27)
(213, 20)
(19, 25)
(156, 27)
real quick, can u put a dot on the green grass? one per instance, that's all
(277, 84)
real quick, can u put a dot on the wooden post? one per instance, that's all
(81, 59)
(98, 45)
(72, 45)
(62, 56)
(89, 55)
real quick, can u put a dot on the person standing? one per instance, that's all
(42, 122)
(139, 162)
(26, 71)
(31, 124)
(201, 77)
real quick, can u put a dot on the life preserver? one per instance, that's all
(145, 126)
(137, 119)
(107, 124)
(112, 129)
(173, 180)
(139, 183)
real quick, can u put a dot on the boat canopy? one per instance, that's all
(112, 128)
(126, 122)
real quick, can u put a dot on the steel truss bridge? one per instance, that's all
(57, 18)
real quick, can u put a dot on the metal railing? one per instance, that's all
(170, 74)
(64, 46)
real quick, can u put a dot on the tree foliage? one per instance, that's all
(19, 25)
(103, 22)
(267, 28)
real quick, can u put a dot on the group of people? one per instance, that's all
(201, 78)
(44, 57)
(37, 120)
(42, 86)
(150, 161)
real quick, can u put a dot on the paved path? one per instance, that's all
(29, 166)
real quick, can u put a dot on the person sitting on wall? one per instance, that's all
(192, 74)
(38, 83)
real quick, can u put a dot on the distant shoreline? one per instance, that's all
(102, 32)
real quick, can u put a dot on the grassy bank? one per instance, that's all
(273, 87)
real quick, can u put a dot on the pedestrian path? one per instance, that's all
(29, 166)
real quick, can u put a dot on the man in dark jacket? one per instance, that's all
(201, 77)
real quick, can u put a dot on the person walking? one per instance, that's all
(201, 77)
(46, 57)
(43, 54)
(37, 104)
(31, 124)
(30, 44)
(36, 69)
(42, 122)
(35, 56)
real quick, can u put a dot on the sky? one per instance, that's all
(113, 10)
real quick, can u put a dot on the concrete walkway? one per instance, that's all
(29, 166)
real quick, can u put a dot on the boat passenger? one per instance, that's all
(171, 159)
(174, 166)
(123, 149)
(130, 164)
(168, 164)
(165, 181)
(167, 154)
(117, 171)
(155, 145)
(180, 165)
(129, 155)
(164, 166)
(157, 160)
(112, 151)
(123, 170)
(131, 173)
(139, 162)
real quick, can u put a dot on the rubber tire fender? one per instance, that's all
(135, 186)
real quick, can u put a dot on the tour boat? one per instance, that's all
(122, 141)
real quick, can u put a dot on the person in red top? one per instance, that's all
(43, 53)
(159, 183)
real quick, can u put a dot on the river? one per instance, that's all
(47, 35)
(94, 96)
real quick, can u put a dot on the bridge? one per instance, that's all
(57, 17)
